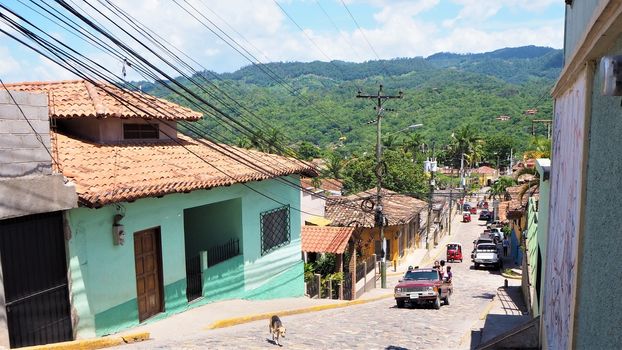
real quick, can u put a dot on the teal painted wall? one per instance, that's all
(598, 316)
(578, 17)
(543, 224)
(103, 280)
(211, 225)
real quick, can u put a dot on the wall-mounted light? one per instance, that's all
(118, 231)
(611, 74)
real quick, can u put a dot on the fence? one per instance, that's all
(313, 287)
(220, 253)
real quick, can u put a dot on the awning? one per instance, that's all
(317, 221)
(325, 239)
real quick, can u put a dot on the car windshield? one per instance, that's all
(452, 246)
(421, 275)
(487, 247)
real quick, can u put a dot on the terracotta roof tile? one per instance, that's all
(325, 239)
(326, 184)
(484, 170)
(79, 98)
(109, 173)
(347, 211)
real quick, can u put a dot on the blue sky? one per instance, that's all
(395, 28)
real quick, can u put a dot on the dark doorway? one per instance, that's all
(34, 270)
(148, 259)
(194, 280)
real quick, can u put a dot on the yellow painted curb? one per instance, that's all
(511, 276)
(487, 309)
(228, 322)
(97, 343)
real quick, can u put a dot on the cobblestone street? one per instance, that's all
(375, 325)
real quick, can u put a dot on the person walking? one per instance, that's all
(506, 245)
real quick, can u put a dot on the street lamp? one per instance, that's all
(410, 127)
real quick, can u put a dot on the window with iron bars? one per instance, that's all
(275, 230)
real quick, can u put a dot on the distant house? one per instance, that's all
(403, 222)
(164, 219)
(485, 175)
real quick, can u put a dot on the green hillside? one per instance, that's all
(316, 102)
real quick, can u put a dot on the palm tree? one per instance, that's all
(498, 188)
(412, 144)
(390, 142)
(334, 166)
(532, 185)
(465, 140)
(539, 147)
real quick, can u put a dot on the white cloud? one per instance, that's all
(398, 29)
(8, 64)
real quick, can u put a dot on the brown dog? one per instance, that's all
(276, 329)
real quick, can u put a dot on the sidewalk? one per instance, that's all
(506, 311)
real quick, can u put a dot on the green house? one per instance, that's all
(166, 222)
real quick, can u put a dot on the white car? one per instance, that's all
(487, 254)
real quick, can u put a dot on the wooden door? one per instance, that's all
(148, 276)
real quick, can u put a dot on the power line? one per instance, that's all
(55, 53)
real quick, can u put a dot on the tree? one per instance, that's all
(308, 151)
(498, 145)
(334, 166)
(402, 175)
(413, 143)
(539, 147)
(498, 188)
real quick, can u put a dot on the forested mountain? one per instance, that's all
(316, 101)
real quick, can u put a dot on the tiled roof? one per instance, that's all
(348, 211)
(109, 173)
(484, 170)
(325, 239)
(326, 184)
(516, 206)
(79, 98)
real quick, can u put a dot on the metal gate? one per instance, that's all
(194, 281)
(347, 285)
(32, 249)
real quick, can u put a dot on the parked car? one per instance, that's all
(488, 255)
(483, 239)
(484, 214)
(423, 286)
(497, 234)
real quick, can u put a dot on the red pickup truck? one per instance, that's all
(423, 286)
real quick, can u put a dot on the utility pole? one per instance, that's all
(451, 197)
(462, 181)
(379, 216)
(430, 193)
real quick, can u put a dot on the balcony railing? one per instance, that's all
(220, 253)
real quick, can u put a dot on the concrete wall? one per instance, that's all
(598, 316)
(578, 17)
(566, 198)
(21, 152)
(97, 265)
(311, 205)
(27, 185)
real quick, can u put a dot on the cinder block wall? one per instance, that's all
(21, 151)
